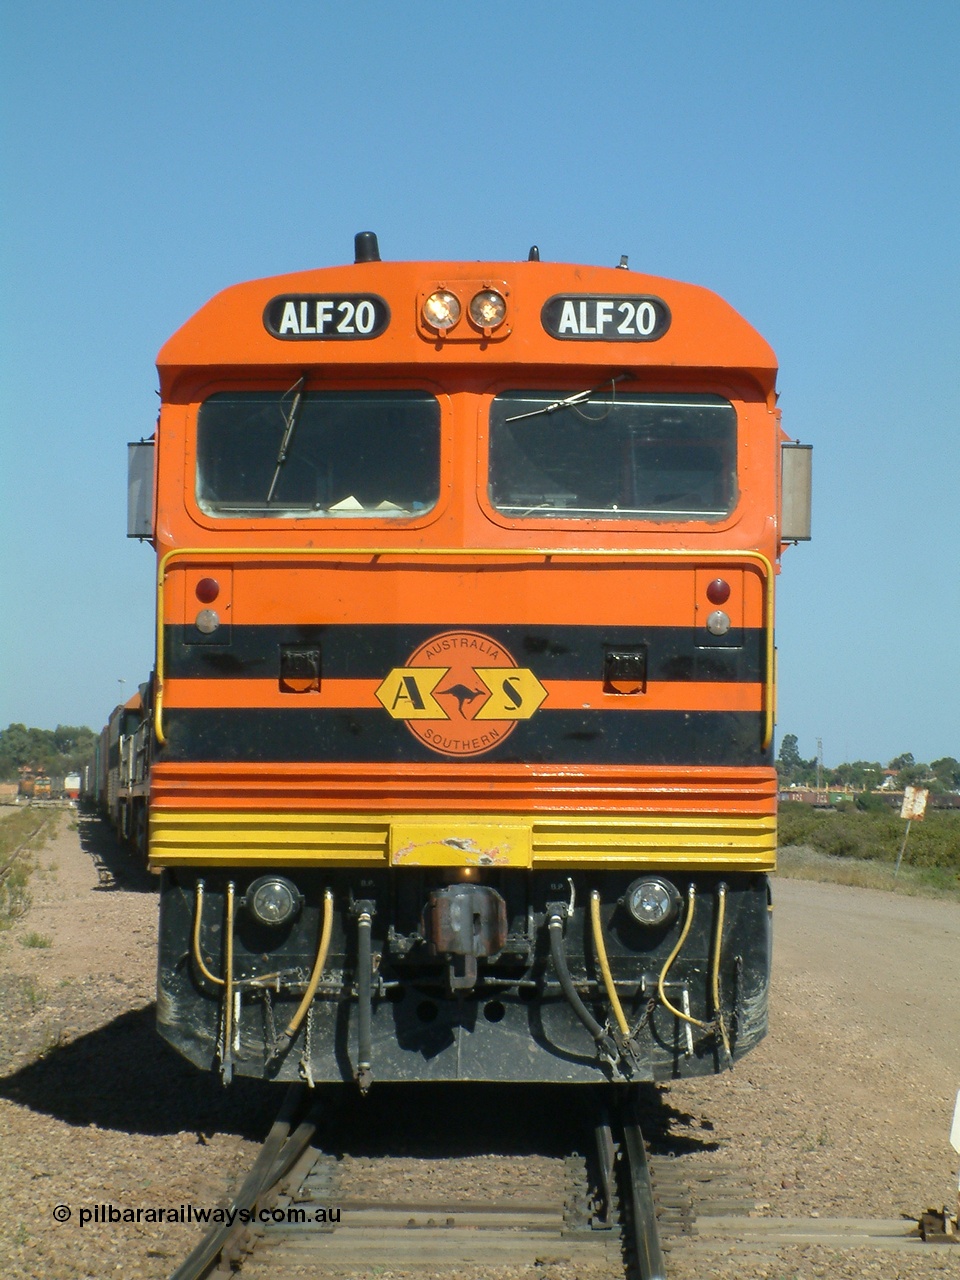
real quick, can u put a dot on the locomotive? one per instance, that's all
(464, 694)
(116, 781)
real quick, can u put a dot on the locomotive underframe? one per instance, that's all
(438, 1015)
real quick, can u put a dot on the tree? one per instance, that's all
(59, 751)
(902, 762)
(789, 757)
(947, 773)
(792, 769)
(861, 775)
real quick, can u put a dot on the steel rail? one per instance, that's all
(643, 1211)
(279, 1153)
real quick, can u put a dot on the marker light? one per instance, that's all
(718, 624)
(487, 309)
(652, 901)
(272, 900)
(718, 591)
(209, 588)
(441, 310)
(207, 620)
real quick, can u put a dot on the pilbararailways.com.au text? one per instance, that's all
(101, 1214)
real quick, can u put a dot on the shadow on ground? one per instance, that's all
(119, 867)
(448, 1120)
(123, 1076)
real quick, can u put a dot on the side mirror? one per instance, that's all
(796, 488)
(140, 456)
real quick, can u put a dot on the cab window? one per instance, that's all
(606, 455)
(319, 454)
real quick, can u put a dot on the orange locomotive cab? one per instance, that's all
(464, 694)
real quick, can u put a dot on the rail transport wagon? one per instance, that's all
(464, 695)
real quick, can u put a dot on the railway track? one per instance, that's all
(318, 1203)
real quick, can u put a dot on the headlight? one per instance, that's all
(487, 309)
(272, 900)
(718, 624)
(652, 901)
(207, 621)
(441, 310)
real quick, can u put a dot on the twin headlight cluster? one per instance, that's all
(442, 310)
(273, 901)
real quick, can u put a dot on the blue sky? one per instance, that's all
(801, 160)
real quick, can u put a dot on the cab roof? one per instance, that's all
(229, 333)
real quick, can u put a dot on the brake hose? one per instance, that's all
(601, 949)
(293, 1026)
(555, 924)
(661, 982)
(226, 1060)
(197, 955)
(715, 967)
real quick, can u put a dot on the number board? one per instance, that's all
(591, 317)
(341, 316)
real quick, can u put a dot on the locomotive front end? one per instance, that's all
(464, 697)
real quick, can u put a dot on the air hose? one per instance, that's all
(717, 1025)
(293, 1026)
(226, 1060)
(601, 949)
(364, 999)
(197, 954)
(605, 1045)
(661, 982)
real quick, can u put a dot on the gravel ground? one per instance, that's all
(844, 1111)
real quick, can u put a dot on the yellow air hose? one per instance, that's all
(687, 922)
(293, 1025)
(228, 972)
(197, 954)
(715, 966)
(601, 950)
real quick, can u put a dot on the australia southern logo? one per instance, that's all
(461, 693)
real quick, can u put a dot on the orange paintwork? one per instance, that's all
(228, 332)
(562, 695)
(450, 787)
(617, 593)
(313, 571)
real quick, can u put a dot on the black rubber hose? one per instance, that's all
(566, 982)
(364, 997)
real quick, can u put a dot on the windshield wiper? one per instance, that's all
(579, 398)
(290, 425)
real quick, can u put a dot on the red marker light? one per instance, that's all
(209, 588)
(718, 591)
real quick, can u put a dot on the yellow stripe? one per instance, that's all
(206, 554)
(691, 841)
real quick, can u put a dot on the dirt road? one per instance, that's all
(843, 1111)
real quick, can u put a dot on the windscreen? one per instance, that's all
(318, 454)
(606, 455)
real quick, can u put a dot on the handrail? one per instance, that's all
(548, 553)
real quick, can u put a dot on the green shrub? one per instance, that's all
(874, 835)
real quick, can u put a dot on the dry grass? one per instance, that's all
(801, 862)
(22, 835)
